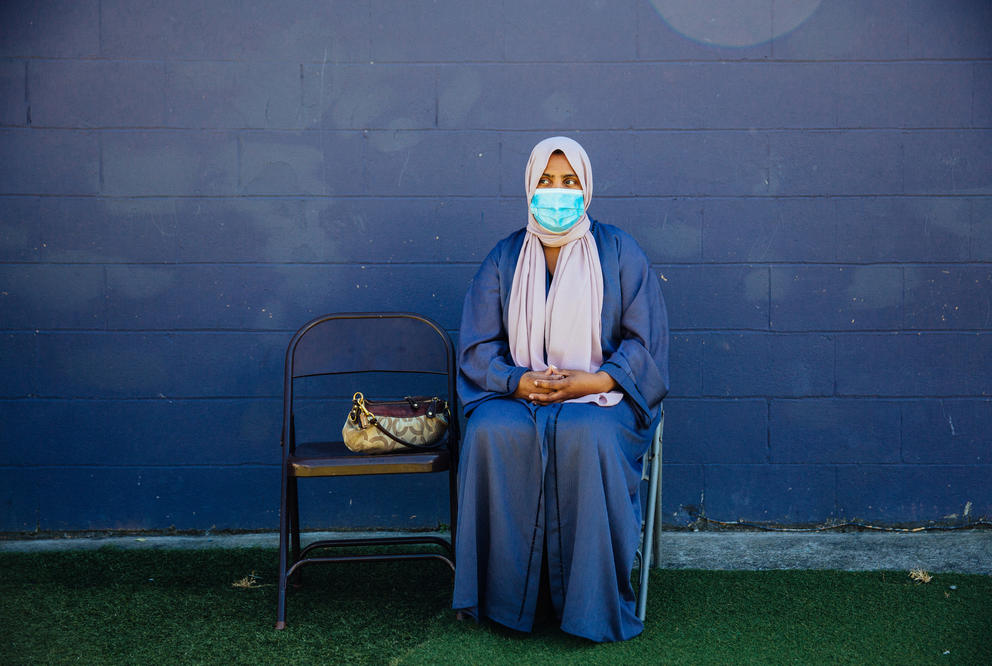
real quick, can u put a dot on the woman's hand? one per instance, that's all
(568, 384)
(528, 382)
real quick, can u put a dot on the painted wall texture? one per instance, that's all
(184, 183)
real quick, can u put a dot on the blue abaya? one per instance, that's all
(562, 477)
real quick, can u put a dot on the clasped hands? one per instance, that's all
(544, 387)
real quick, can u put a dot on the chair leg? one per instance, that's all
(294, 528)
(284, 528)
(647, 541)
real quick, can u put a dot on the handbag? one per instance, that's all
(386, 426)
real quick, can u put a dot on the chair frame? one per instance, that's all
(649, 549)
(292, 558)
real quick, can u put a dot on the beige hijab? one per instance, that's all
(567, 323)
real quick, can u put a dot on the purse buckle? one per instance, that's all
(360, 414)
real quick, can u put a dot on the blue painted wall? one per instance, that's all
(182, 184)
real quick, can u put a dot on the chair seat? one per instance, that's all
(335, 459)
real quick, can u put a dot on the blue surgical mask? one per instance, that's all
(557, 209)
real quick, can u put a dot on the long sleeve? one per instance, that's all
(639, 363)
(485, 367)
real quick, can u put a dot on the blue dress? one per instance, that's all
(563, 477)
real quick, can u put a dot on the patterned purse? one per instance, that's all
(383, 427)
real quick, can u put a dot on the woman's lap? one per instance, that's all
(564, 473)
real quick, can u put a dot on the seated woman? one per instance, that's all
(563, 357)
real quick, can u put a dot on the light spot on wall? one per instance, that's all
(735, 23)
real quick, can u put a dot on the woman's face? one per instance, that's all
(559, 173)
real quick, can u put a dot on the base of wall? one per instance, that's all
(965, 551)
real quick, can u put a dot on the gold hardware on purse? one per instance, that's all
(386, 426)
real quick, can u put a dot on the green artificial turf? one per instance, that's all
(148, 606)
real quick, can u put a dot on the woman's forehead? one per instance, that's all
(558, 163)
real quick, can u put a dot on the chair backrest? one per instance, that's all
(367, 343)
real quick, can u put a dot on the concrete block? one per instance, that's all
(770, 493)
(422, 163)
(588, 31)
(366, 96)
(228, 29)
(877, 29)
(567, 96)
(13, 93)
(46, 296)
(716, 297)
(768, 229)
(73, 433)
(681, 31)
(805, 297)
(902, 229)
(98, 498)
(948, 162)
(611, 154)
(160, 365)
(413, 501)
(232, 95)
(920, 364)
(909, 494)
(981, 104)
(699, 163)
(234, 297)
(261, 297)
(716, 431)
(767, 365)
(397, 230)
(248, 229)
(34, 161)
(442, 31)
(55, 29)
(904, 94)
(668, 230)
(685, 357)
(956, 30)
(18, 362)
(981, 229)
(348, 230)
(277, 162)
(947, 432)
(701, 95)
(841, 162)
(95, 231)
(20, 239)
(19, 499)
(97, 93)
(834, 431)
(315, 32)
(948, 297)
(681, 493)
(176, 162)
(319, 419)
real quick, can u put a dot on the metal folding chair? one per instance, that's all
(652, 474)
(356, 351)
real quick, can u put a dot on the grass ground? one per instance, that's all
(114, 606)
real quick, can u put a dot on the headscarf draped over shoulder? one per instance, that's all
(560, 326)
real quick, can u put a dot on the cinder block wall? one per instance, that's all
(182, 184)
